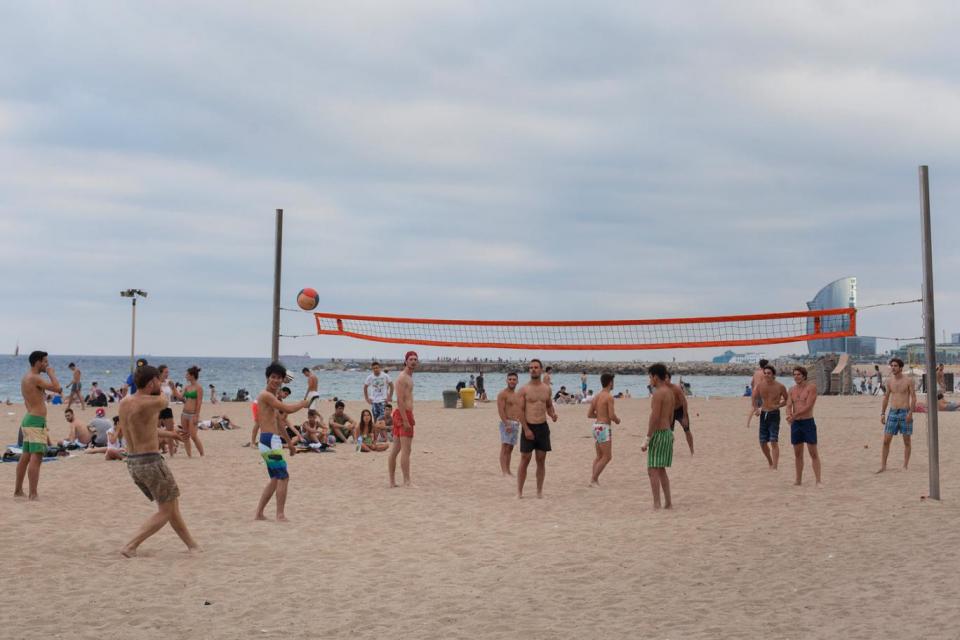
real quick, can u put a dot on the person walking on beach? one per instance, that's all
(75, 387)
(658, 442)
(680, 411)
(313, 395)
(536, 404)
(377, 391)
(879, 376)
(757, 377)
(403, 422)
(192, 402)
(509, 408)
(603, 415)
(901, 396)
(770, 395)
(33, 427)
(803, 429)
(271, 422)
(138, 415)
(583, 383)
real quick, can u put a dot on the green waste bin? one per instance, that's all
(450, 399)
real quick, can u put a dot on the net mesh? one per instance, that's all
(720, 331)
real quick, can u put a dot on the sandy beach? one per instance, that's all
(744, 554)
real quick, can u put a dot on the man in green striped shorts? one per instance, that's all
(33, 388)
(659, 441)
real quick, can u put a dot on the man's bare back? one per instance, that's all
(602, 408)
(138, 417)
(663, 417)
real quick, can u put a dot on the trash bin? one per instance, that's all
(449, 399)
(467, 396)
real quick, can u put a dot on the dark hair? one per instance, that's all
(763, 362)
(194, 371)
(549, 369)
(374, 364)
(71, 366)
(311, 412)
(339, 404)
(116, 419)
(801, 370)
(898, 361)
(143, 376)
(537, 360)
(210, 385)
(141, 362)
(606, 379)
(514, 374)
(387, 404)
(166, 413)
(286, 390)
(305, 370)
(276, 369)
(67, 410)
(658, 370)
(37, 356)
(161, 368)
(770, 368)
(939, 396)
(366, 412)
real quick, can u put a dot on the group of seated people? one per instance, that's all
(315, 434)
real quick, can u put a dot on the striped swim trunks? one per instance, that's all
(34, 429)
(660, 449)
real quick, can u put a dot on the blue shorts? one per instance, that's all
(769, 426)
(377, 409)
(803, 431)
(897, 423)
(509, 431)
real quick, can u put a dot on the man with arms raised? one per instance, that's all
(901, 396)
(312, 396)
(138, 415)
(803, 429)
(770, 395)
(271, 420)
(508, 406)
(403, 422)
(33, 427)
(754, 400)
(377, 391)
(536, 403)
(659, 440)
(601, 410)
(680, 412)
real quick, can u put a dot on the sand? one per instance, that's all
(744, 554)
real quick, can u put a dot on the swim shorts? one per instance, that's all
(398, 424)
(509, 431)
(897, 423)
(271, 449)
(660, 449)
(314, 400)
(678, 417)
(376, 408)
(34, 429)
(541, 438)
(75, 387)
(601, 432)
(150, 473)
(769, 426)
(803, 431)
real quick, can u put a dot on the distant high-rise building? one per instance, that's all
(837, 295)
(955, 338)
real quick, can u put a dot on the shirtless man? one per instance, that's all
(312, 396)
(403, 421)
(138, 415)
(508, 406)
(754, 400)
(769, 395)
(75, 387)
(659, 440)
(803, 429)
(548, 377)
(901, 395)
(271, 421)
(79, 435)
(536, 404)
(34, 389)
(603, 414)
(680, 412)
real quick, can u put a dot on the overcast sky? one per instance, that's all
(495, 160)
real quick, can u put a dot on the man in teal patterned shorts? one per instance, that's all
(659, 441)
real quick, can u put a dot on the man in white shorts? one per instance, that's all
(509, 407)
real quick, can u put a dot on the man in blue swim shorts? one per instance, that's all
(510, 409)
(770, 395)
(803, 430)
(901, 396)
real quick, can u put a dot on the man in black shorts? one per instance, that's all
(536, 404)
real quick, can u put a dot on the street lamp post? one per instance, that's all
(132, 294)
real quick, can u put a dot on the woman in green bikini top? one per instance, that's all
(190, 418)
(365, 432)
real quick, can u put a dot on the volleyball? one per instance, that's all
(308, 299)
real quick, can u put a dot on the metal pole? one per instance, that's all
(929, 336)
(133, 330)
(275, 336)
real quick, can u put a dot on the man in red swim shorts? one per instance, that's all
(403, 421)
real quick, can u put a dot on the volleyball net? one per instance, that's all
(587, 335)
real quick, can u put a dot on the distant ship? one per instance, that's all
(305, 355)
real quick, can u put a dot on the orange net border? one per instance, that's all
(587, 335)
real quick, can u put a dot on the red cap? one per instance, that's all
(101, 413)
(410, 353)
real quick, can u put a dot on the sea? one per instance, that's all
(228, 375)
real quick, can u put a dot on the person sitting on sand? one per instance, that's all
(365, 434)
(383, 428)
(562, 397)
(79, 436)
(314, 430)
(342, 426)
(115, 449)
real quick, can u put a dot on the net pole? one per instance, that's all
(275, 336)
(929, 335)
